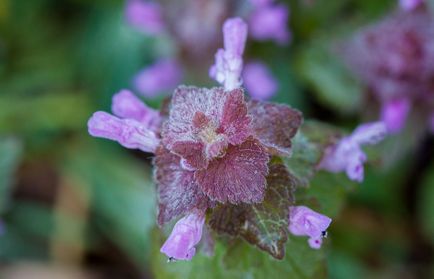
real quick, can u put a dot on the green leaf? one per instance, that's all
(307, 149)
(123, 196)
(238, 259)
(426, 217)
(264, 225)
(49, 112)
(10, 154)
(329, 79)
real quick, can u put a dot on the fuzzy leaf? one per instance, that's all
(264, 225)
(237, 177)
(275, 125)
(178, 193)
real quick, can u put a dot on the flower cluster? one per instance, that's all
(394, 59)
(217, 151)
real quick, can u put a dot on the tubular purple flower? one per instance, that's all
(347, 154)
(146, 16)
(161, 77)
(185, 235)
(128, 132)
(228, 61)
(258, 80)
(126, 105)
(270, 23)
(409, 5)
(303, 221)
(394, 114)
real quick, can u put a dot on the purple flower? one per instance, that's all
(270, 23)
(185, 235)
(211, 137)
(161, 77)
(409, 5)
(144, 15)
(394, 114)
(260, 3)
(394, 59)
(258, 80)
(347, 154)
(303, 221)
(135, 127)
(228, 61)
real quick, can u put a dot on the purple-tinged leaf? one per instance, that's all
(237, 177)
(264, 225)
(178, 193)
(205, 120)
(275, 125)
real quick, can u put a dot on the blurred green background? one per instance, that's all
(73, 206)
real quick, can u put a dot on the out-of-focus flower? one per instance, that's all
(303, 221)
(409, 5)
(260, 3)
(2, 228)
(136, 126)
(269, 22)
(185, 235)
(394, 58)
(259, 81)
(145, 16)
(431, 122)
(347, 154)
(229, 61)
(394, 114)
(159, 78)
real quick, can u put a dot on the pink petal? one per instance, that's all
(394, 114)
(126, 105)
(275, 125)
(369, 133)
(185, 235)
(315, 243)
(409, 5)
(128, 132)
(303, 221)
(178, 192)
(145, 15)
(229, 61)
(159, 78)
(237, 177)
(259, 82)
(270, 23)
(235, 36)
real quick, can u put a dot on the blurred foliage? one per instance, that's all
(66, 198)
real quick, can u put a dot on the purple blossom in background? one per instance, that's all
(135, 127)
(303, 221)
(260, 3)
(145, 16)
(2, 227)
(394, 58)
(270, 22)
(229, 61)
(161, 77)
(185, 235)
(409, 5)
(259, 81)
(394, 114)
(347, 154)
